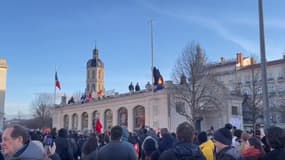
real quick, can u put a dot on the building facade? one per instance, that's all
(242, 76)
(133, 110)
(3, 77)
(156, 110)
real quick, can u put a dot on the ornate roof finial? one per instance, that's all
(95, 52)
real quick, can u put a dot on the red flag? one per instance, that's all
(99, 126)
(57, 84)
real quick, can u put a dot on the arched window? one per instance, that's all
(108, 119)
(65, 121)
(84, 121)
(139, 117)
(74, 122)
(123, 117)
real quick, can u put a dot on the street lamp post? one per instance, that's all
(263, 66)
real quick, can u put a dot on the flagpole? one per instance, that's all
(263, 66)
(54, 87)
(151, 44)
(152, 78)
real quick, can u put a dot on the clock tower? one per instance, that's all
(95, 75)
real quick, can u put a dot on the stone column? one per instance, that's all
(148, 114)
(130, 119)
(115, 116)
(79, 121)
(69, 121)
(90, 119)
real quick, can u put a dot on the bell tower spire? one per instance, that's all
(95, 75)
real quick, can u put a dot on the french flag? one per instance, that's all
(57, 83)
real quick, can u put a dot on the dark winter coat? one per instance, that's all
(183, 150)
(166, 142)
(90, 156)
(64, 148)
(55, 156)
(276, 154)
(120, 150)
(228, 153)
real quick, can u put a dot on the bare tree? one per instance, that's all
(41, 108)
(252, 102)
(199, 87)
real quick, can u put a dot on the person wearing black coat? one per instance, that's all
(63, 146)
(184, 148)
(166, 141)
(276, 139)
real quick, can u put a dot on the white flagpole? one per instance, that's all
(54, 96)
(151, 44)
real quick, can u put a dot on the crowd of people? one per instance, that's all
(226, 143)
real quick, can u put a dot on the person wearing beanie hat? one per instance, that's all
(150, 148)
(223, 141)
(229, 126)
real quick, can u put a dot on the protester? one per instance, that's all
(236, 140)
(223, 141)
(254, 150)
(64, 147)
(17, 145)
(244, 142)
(166, 141)
(150, 148)
(276, 139)
(207, 146)
(229, 126)
(90, 148)
(117, 149)
(183, 149)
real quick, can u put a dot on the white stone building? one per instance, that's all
(3, 77)
(239, 74)
(156, 110)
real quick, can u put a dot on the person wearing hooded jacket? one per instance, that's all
(16, 145)
(184, 148)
